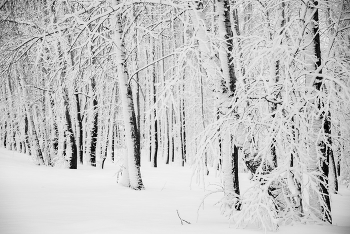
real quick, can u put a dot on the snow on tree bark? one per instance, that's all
(227, 86)
(320, 149)
(131, 174)
(230, 152)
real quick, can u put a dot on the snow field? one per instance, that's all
(47, 200)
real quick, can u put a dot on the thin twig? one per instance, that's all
(182, 220)
(146, 66)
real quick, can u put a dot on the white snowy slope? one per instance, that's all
(47, 200)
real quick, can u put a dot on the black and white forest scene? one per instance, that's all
(174, 116)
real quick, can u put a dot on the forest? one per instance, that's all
(241, 86)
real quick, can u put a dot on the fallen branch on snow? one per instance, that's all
(182, 220)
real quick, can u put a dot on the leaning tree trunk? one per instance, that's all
(131, 174)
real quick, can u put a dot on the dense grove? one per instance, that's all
(240, 86)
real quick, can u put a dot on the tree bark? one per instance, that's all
(155, 117)
(80, 130)
(228, 71)
(94, 131)
(320, 201)
(73, 159)
(131, 174)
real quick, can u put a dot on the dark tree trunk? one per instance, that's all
(73, 159)
(5, 134)
(113, 142)
(80, 129)
(150, 142)
(231, 86)
(219, 140)
(137, 78)
(94, 128)
(181, 135)
(55, 128)
(235, 175)
(136, 138)
(334, 169)
(26, 135)
(172, 135)
(154, 75)
(183, 128)
(155, 153)
(325, 146)
(327, 153)
(39, 153)
(168, 137)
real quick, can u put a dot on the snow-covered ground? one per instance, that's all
(47, 200)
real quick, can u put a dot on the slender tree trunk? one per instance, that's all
(26, 135)
(111, 125)
(173, 122)
(150, 100)
(181, 133)
(183, 124)
(155, 117)
(94, 132)
(333, 174)
(203, 120)
(167, 136)
(113, 141)
(80, 130)
(137, 77)
(55, 132)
